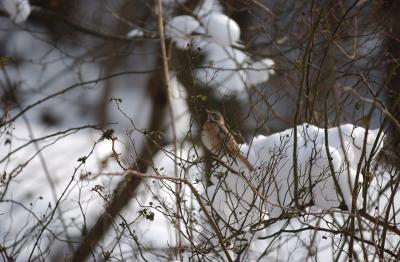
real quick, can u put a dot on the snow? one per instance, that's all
(181, 110)
(32, 188)
(181, 28)
(220, 70)
(259, 71)
(157, 195)
(205, 7)
(222, 29)
(31, 185)
(135, 33)
(231, 196)
(236, 201)
(272, 157)
(18, 10)
(228, 70)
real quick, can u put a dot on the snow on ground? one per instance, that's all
(82, 199)
(156, 195)
(272, 157)
(34, 191)
(229, 72)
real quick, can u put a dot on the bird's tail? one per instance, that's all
(245, 162)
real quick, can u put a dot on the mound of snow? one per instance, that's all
(320, 168)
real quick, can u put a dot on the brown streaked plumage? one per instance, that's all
(217, 138)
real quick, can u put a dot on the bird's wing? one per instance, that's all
(238, 137)
(227, 139)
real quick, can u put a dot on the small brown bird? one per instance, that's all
(217, 138)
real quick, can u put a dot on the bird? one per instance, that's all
(217, 138)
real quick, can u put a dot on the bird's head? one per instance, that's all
(215, 116)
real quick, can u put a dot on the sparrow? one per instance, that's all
(217, 138)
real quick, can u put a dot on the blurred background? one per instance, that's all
(85, 97)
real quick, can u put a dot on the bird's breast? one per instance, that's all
(209, 136)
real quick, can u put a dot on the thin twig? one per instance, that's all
(197, 196)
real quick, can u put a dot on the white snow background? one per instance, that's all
(80, 203)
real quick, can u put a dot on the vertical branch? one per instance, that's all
(172, 116)
(325, 77)
(298, 106)
(391, 10)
